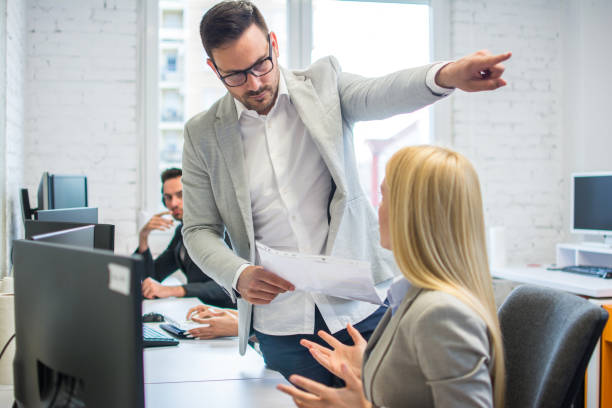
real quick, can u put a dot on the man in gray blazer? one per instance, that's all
(273, 162)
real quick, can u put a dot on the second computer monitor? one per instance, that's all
(84, 214)
(104, 234)
(79, 237)
(62, 191)
(590, 203)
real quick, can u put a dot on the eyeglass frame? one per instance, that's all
(249, 70)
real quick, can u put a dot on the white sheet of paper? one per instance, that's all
(339, 277)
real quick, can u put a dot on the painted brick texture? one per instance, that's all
(16, 40)
(513, 135)
(82, 98)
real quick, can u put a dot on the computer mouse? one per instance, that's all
(153, 317)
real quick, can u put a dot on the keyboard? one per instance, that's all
(598, 271)
(155, 338)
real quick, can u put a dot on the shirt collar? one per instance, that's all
(397, 292)
(282, 92)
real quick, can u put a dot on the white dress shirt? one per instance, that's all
(290, 188)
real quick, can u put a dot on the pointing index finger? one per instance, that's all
(491, 60)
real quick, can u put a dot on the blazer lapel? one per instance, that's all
(230, 143)
(385, 335)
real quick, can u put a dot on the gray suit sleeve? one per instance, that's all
(379, 98)
(453, 352)
(203, 227)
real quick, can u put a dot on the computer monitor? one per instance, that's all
(62, 191)
(84, 214)
(24, 199)
(104, 234)
(591, 211)
(79, 236)
(78, 327)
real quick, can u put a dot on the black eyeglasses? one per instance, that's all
(258, 69)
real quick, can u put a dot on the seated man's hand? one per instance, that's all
(259, 286)
(480, 71)
(157, 222)
(218, 322)
(153, 289)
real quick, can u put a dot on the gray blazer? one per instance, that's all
(433, 352)
(215, 184)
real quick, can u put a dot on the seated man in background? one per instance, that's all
(175, 256)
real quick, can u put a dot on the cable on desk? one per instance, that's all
(6, 345)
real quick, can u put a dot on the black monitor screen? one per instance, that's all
(68, 191)
(79, 236)
(78, 327)
(104, 234)
(593, 203)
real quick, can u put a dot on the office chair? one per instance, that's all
(548, 337)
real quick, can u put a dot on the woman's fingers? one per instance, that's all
(355, 335)
(310, 345)
(329, 339)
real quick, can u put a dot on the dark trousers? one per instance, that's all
(285, 354)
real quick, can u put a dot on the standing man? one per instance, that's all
(273, 161)
(175, 256)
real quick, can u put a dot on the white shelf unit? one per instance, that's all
(583, 254)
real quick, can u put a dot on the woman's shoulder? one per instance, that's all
(435, 311)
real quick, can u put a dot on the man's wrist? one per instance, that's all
(442, 77)
(174, 291)
(180, 291)
(143, 242)
(436, 79)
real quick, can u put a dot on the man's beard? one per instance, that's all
(257, 106)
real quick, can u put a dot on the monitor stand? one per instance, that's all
(57, 389)
(607, 243)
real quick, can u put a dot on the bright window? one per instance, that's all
(187, 86)
(374, 39)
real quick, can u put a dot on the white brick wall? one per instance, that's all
(513, 135)
(82, 96)
(15, 110)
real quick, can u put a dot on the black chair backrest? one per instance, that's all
(549, 337)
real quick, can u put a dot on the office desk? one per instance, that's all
(568, 282)
(598, 291)
(206, 372)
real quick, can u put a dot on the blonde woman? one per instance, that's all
(439, 344)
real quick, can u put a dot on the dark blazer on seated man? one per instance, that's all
(175, 256)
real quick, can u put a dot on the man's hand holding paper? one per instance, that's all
(344, 278)
(259, 286)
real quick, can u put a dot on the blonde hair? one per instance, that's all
(436, 225)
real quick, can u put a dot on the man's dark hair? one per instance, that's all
(227, 21)
(170, 174)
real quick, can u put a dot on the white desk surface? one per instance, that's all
(568, 282)
(200, 372)
(210, 371)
